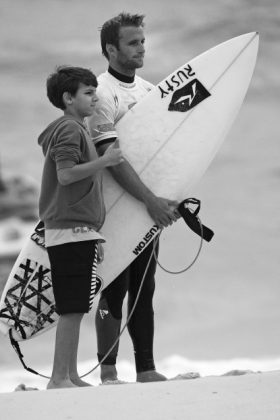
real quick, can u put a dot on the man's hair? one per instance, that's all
(109, 33)
(67, 79)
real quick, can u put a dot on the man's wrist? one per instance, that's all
(148, 198)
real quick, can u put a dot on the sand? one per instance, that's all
(249, 397)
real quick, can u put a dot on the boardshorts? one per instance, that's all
(73, 269)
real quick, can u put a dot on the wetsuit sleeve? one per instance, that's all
(66, 150)
(101, 124)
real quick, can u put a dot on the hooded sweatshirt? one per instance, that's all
(65, 143)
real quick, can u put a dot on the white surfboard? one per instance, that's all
(170, 138)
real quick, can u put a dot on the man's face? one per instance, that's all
(130, 54)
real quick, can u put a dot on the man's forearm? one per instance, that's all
(129, 180)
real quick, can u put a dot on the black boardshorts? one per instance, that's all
(73, 268)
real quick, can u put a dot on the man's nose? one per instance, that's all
(141, 48)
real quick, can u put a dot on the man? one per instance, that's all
(122, 41)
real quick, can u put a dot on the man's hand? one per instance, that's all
(163, 211)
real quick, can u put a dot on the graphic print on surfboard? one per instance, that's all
(170, 137)
(28, 306)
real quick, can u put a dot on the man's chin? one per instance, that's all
(140, 63)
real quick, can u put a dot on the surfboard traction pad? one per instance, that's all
(29, 307)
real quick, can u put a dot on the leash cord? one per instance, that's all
(192, 262)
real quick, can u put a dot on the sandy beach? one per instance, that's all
(251, 396)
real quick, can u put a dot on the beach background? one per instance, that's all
(224, 312)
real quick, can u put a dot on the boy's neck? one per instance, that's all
(70, 113)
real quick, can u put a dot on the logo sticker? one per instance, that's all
(145, 241)
(188, 96)
(38, 236)
(103, 313)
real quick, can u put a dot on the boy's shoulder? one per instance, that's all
(61, 128)
(63, 122)
(70, 126)
(70, 122)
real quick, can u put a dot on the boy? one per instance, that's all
(72, 209)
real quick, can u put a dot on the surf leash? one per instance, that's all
(189, 209)
(16, 347)
(192, 220)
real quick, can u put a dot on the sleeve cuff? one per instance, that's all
(63, 164)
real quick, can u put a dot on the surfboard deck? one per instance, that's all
(170, 138)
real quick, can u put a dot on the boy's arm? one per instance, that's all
(80, 171)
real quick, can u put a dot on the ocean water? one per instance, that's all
(224, 312)
(171, 367)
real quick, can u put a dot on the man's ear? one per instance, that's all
(110, 48)
(67, 98)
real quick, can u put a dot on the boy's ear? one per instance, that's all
(67, 98)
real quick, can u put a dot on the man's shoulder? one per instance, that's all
(144, 83)
(106, 83)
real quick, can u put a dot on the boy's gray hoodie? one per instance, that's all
(65, 142)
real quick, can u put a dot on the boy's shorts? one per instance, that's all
(73, 268)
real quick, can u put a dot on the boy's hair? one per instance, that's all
(109, 33)
(67, 79)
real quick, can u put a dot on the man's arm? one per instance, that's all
(160, 209)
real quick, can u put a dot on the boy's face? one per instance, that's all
(131, 51)
(83, 103)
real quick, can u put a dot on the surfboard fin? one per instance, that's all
(191, 219)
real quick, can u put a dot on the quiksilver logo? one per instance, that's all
(188, 96)
(103, 313)
(38, 236)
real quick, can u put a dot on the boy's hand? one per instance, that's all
(113, 156)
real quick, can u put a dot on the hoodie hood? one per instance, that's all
(46, 136)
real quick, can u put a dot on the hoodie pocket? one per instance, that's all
(90, 208)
